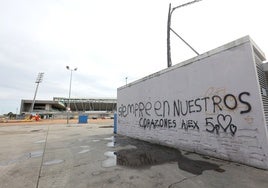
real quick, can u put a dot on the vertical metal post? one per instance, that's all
(169, 63)
(170, 11)
(70, 88)
(38, 81)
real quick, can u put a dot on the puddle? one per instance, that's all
(84, 151)
(197, 167)
(95, 140)
(146, 155)
(22, 158)
(37, 130)
(34, 154)
(40, 141)
(56, 161)
(74, 135)
(84, 146)
(110, 138)
(110, 144)
(110, 161)
(143, 154)
(15, 160)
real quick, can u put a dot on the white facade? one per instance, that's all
(211, 104)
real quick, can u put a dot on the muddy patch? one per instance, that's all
(36, 130)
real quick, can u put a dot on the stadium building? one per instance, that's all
(98, 107)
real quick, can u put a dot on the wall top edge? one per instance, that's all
(235, 43)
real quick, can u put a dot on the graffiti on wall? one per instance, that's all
(171, 114)
(223, 122)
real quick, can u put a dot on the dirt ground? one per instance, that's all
(51, 121)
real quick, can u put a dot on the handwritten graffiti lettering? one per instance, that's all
(138, 109)
(216, 102)
(191, 106)
(181, 108)
(214, 128)
(244, 102)
(157, 123)
(230, 97)
(148, 107)
(157, 108)
(162, 109)
(189, 124)
(224, 122)
(167, 114)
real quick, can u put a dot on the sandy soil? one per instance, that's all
(52, 121)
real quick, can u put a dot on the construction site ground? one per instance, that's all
(7, 122)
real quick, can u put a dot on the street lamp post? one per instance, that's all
(170, 11)
(70, 88)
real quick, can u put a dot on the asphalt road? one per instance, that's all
(90, 155)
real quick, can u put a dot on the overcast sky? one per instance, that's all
(109, 40)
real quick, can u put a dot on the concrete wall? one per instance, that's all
(210, 104)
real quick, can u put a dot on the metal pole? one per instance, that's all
(70, 87)
(32, 106)
(38, 81)
(184, 41)
(169, 63)
(170, 11)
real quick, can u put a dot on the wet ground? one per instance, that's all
(140, 154)
(90, 155)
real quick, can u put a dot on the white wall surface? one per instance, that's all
(210, 104)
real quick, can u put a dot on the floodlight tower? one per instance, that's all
(70, 88)
(38, 81)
